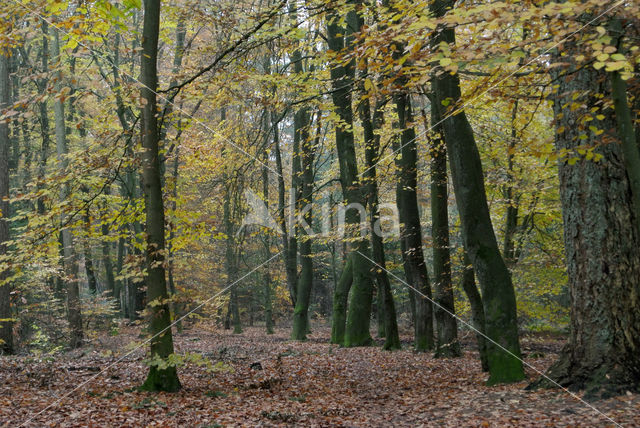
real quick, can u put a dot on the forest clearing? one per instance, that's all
(319, 213)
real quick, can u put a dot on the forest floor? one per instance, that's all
(262, 380)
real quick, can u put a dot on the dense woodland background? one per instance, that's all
(184, 167)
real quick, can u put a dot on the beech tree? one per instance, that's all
(6, 326)
(160, 377)
(498, 296)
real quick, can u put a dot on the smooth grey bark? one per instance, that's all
(498, 294)
(158, 378)
(447, 344)
(6, 315)
(69, 257)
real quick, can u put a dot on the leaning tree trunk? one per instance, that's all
(601, 245)
(6, 326)
(498, 294)
(159, 378)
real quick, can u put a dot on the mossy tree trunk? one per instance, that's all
(159, 378)
(305, 282)
(342, 76)
(498, 294)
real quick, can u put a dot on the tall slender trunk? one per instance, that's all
(266, 276)
(6, 326)
(302, 190)
(305, 282)
(106, 249)
(498, 294)
(447, 344)
(159, 378)
(290, 263)
(511, 216)
(181, 32)
(69, 261)
(370, 124)
(44, 115)
(88, 257)
(119, 283)
(410, 226)
(356, 332)
(230, 259)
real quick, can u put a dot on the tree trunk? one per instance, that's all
(268, 304)
(447, 344)
(44, 116)
(511, 216)
(410, 227)
(230, 262)
(69, 257)
(342, 76)
(340, 301)
(88, 258)
(477, 310)
(601, 245)
(305, 282)
(288, 253)
(627, 137)
(106, 251)
(6, 326)
(505, 365)
(387, 321)
(158, 379)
